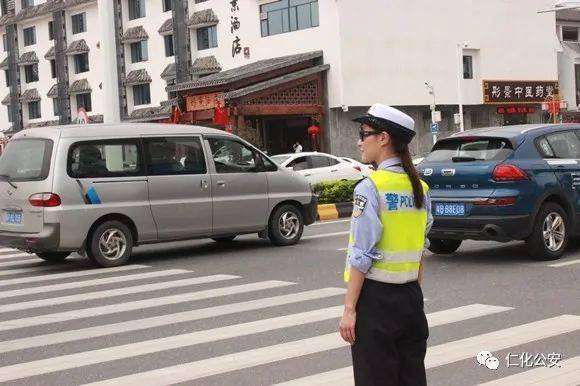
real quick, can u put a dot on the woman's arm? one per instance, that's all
(348, 322)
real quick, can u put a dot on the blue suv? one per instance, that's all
(506, 183)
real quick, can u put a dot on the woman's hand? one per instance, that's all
(346, 326)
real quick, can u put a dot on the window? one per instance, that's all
(31, 73)
(564, 145)
(113, 158)
(29, 36)
(53, 68)
(169, 51)
(50, 30)
(299, 164)
(231, 156)
(467, 67)
(139, 52)
(175, 155)
(55, 106)
(570, 34)
(84, 101)
(141, 94)
(320, 161)
(288, 15)
(81, 63)
(3, 7)
(199, 1)
(5, 42)
(7, 75)
(27, 3)
(167, 5)
(26, 159)
(34, 110)
(136, 9)
(206, 38)
(79, 23)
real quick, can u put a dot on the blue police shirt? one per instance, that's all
(367, 228)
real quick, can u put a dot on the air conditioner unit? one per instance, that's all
(263, 16)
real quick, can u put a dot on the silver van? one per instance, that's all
(100, 190)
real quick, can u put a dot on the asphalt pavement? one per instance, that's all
(248, 313)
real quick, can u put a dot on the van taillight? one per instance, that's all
(508, 173)
(45, 200)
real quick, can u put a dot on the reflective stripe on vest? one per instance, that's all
(403, 239)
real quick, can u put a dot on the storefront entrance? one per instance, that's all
(281, 133)
(515, 119)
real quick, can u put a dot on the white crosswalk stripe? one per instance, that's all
(32, 269)
(4, 250)
(21, 263)
(21, 256)
(325, 306)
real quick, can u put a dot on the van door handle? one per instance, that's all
(334, 170)
(221, 183)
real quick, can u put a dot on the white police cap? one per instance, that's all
(386, 118)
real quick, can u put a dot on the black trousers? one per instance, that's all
(391, 335)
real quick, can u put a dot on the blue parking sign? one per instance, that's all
(435, 128)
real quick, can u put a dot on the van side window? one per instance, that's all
(175, 155)
(104, 159)
(231, 156)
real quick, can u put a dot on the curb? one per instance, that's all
(334, 211)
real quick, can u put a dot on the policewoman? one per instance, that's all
(383, 316)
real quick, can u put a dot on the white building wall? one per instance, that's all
(4, 90)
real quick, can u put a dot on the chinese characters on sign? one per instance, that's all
(516, 110)
(234, 27)
(510, 91)
(201, 102)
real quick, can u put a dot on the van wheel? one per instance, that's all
(110, 245)
(286, 225)
(228, 239)
(444, 246)
(550, 235)
(53, 257)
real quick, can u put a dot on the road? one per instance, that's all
(247, 313)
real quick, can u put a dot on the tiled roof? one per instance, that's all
(4, 64)
(203, 18)
(150, 113)
(247, 71)
(45, 8)
(53, 92)
(169, 72)
(206, 65)
(6, 100)
(50, 54)
(28, 58)
(134, 34)
(77, 47)
(171, 102)
(137, 77)
(276, 81)
(42, 124)
(166, 27)
(80, 86)
(30, 95)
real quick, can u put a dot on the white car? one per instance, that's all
(319, 167)
(365, 169)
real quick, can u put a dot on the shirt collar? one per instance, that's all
(390, 163)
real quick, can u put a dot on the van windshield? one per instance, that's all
(470, 149)
(26, 160)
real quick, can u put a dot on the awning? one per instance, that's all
(276, 81)
(149, 113)
(204, 18)
(80, 86)
(206, 65)
(77, 47)
(169, 72)
(167, 27)
(30, 95)
(53, 92)
(28, 58)
(6, 100)
(50, 54)
(134, 34)
(137, 77)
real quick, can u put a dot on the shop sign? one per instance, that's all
(201, 102)
(516, 91)
(516, 110)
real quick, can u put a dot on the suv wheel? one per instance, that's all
(286, 225)
(550, 235)
(444, 246)
(53, 257)
(110, 244)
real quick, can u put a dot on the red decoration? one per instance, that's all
(176, 115)
(221, 116)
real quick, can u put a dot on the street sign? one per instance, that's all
(435, 128)
(436, 116)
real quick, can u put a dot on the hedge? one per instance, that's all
(334, 192)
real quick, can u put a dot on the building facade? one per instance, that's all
(271, 70)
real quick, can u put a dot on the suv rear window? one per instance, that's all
(26, 159)
(470, 149)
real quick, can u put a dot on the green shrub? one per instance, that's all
(333, 192)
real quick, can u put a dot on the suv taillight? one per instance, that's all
(497, 201)
(508, 173)
(45, 200)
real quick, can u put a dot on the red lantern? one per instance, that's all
(221, 116)
(314, 132)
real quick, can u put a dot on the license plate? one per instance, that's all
(14, 218)
(449, 209)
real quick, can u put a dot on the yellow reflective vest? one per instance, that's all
(403, 238)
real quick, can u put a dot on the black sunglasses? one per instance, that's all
(362, 134)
